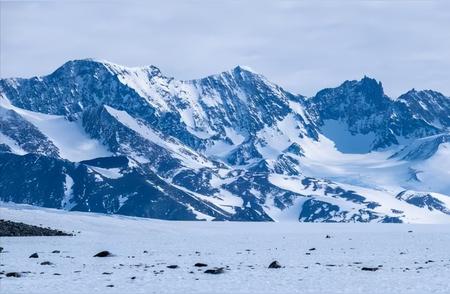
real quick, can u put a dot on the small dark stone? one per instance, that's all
(13, 274)
(215, 271)
(274, 264)
(370, 269)
(173, 266)
(199, 264)
(145, 251)
(410, 231)
(109, 286)
(56, 251)
(46, 263)
(327, 236)
(1, 249)
(34, 255)
(133, 278)
(312, 249)
(56, 274)
(104, 253)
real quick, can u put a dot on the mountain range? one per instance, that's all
(99, 137)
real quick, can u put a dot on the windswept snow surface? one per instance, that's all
(409, 258)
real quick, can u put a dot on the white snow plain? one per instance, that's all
(409, 258)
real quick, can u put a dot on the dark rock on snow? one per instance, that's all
(370, 269)
(275, 264)
(15, 229)
(215, 271)
(46, 263)
(199, 264)
(104, 253)
(34, 255)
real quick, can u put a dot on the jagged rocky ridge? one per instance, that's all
(95, 136)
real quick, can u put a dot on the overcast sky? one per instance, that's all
(302, 45)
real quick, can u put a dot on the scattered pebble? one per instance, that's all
(370, 269)
(215, 271)
(46, 263)
(199, 264)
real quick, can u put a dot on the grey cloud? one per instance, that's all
(302, 45)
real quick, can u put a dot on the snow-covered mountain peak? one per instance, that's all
(244, 69)
(230, 146)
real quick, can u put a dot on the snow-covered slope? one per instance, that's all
(96, 136)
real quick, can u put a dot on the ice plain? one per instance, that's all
(410, 258)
